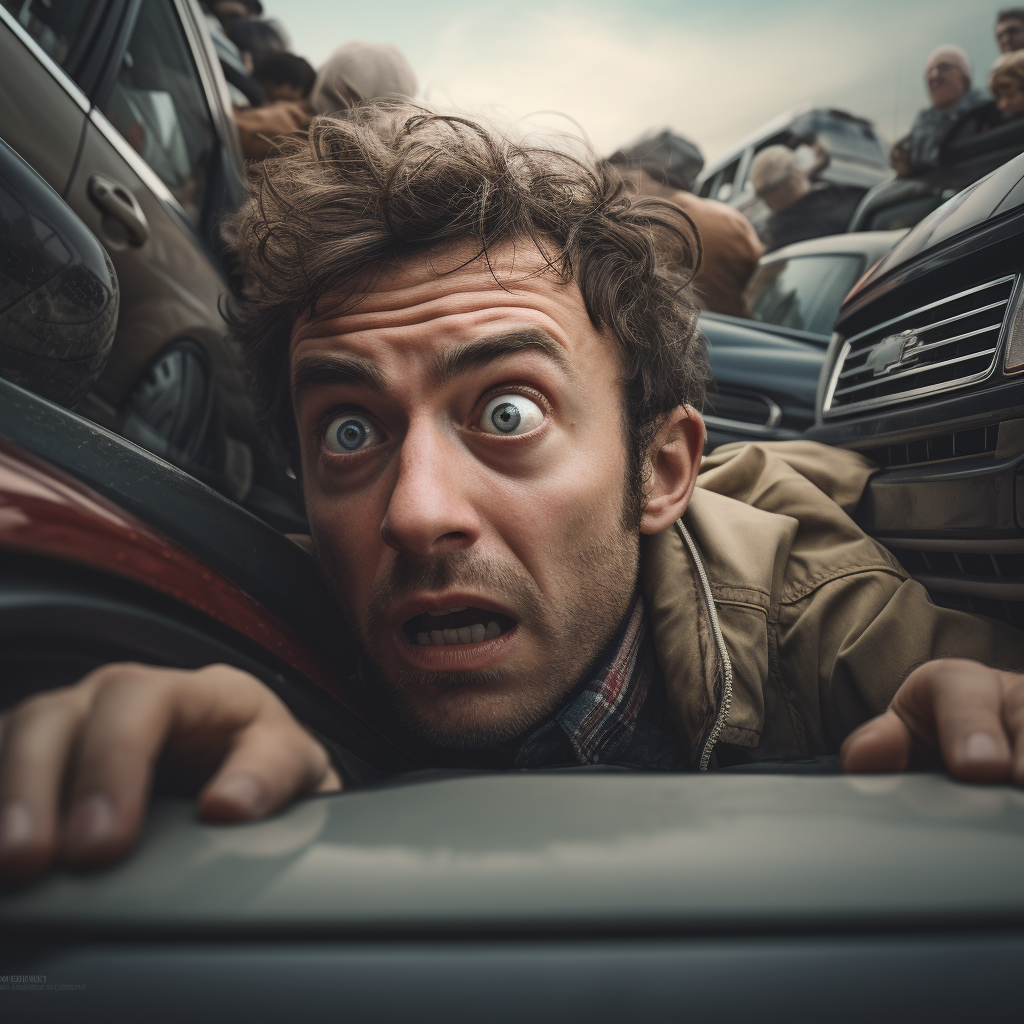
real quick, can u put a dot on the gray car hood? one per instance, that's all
(601, 851)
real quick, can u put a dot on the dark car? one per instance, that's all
(766, 367)
(122, 107)
(924, 376)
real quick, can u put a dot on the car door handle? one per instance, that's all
(119, 204)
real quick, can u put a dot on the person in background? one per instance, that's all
(948, 78)
(227, 11)
(355, 73)
(667, 166)
(284, 76)
(1006, 83)
(1010, 30)
(801, 208)
(255, 39)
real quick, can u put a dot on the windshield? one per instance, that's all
(803, 293)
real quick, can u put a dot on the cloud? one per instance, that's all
(619, 74)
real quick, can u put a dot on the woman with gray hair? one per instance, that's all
(355, 73)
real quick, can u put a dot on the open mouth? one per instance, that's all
(463, 625)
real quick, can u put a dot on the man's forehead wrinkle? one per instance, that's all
(458, 359)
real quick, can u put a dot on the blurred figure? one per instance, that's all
(667, 166)
(1006, 83)
(801, 208)
(227, 11)
(948, 78)
(284, 76)
(255, 39)
(355, 73)
(1010, 30)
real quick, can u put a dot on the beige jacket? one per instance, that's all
(820, 624)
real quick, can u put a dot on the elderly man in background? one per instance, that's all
(948, 78)
(1010, 30)
(667, 166)
(355, 73)
(801, 208)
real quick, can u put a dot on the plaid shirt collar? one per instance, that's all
(600, 721)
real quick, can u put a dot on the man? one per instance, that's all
(1010, 30)
(730, 246)
(948, 80)
(483, 362)
(355, 73)
(284, 76)
(800, 208)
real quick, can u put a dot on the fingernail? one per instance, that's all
(244, 791)
(91, 821)
(981, 746)
(15, 826)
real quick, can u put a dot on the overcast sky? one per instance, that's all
(714, 70)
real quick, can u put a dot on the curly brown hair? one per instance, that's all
(391, 180)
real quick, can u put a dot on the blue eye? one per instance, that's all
(510, 415)
(351, 433)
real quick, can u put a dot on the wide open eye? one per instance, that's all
(511, 414)
(351, 433)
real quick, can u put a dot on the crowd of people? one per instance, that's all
(276, 93)
(958, 110)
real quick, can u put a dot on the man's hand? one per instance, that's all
(971, 715)
(76, 764)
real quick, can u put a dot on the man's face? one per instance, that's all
(465, 475)
(1010, 35)
(946, 83)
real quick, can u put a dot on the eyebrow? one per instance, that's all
(463, 358)
(324, 371)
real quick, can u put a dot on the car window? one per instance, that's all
(157, 104)
(725, 181)
(803, 293)
(56, 25)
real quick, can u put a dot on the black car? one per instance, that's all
(766, 366)
(924, 376)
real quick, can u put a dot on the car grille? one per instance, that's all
(938, 347)
(960, 444)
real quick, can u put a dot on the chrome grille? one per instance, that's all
(944, 345)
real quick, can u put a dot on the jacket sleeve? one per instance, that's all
(846, 624)
(865, 632)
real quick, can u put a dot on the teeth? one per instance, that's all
(449, 611)
(474, 634)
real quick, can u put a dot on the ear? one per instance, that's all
(673, 462)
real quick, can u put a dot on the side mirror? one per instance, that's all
(58, 290)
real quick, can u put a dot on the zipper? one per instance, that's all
(716, 629)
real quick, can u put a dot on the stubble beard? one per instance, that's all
(474, 710)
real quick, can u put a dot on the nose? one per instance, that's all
(430, 511)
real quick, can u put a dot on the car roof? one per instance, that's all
(871, 244)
